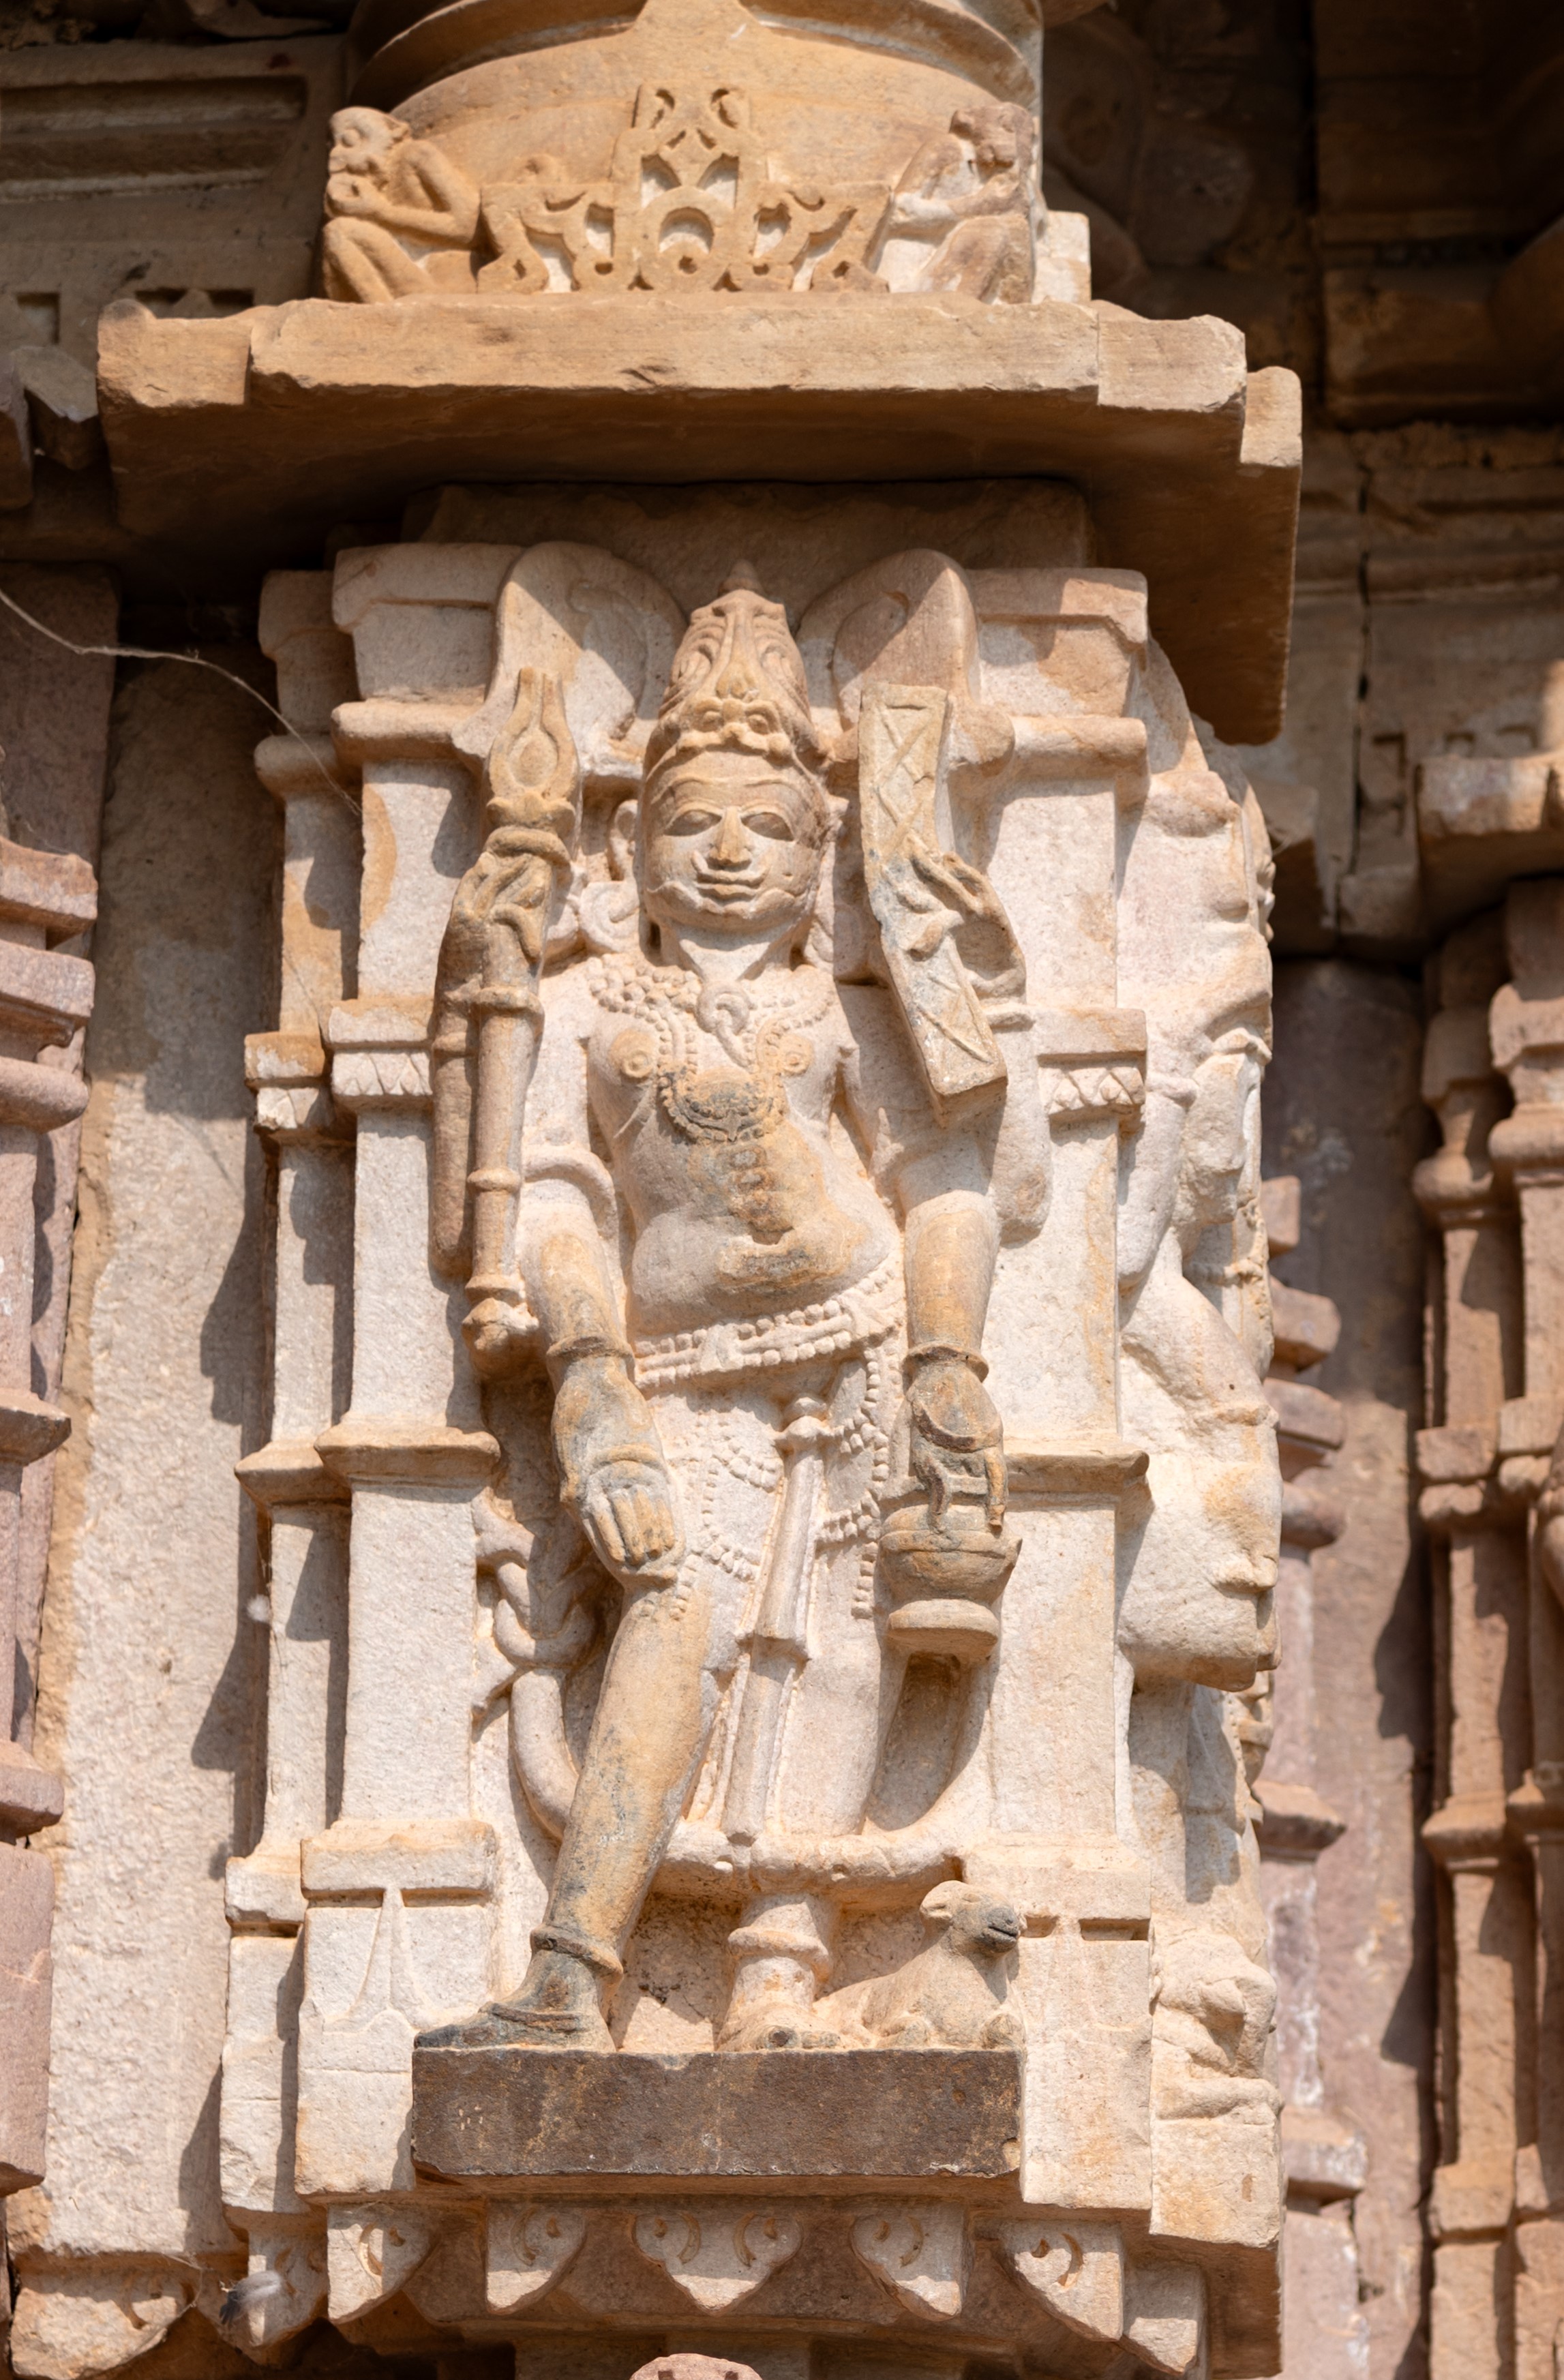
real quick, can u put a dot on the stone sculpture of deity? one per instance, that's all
(767, 1373)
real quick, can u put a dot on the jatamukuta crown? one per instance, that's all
(738, 685)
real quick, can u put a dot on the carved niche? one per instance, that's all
(812, 1510)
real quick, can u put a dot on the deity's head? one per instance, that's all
(1201, 1546)
(1221, 1128)
(735, 821)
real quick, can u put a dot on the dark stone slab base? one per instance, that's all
(904, 2115)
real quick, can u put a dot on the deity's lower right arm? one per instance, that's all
(569, 1290)
(951, 1248)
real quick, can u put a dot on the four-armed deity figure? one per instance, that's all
(793, 1347)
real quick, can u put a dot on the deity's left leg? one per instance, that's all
(844, 1697)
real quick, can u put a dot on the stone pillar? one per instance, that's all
(1324, 2155)
(1486, 1920)
(53, 725)
(397, 1885)
(148, 1641)
(1057, 820)
(756, 1850)
(1526, 1029)
(304, 1607)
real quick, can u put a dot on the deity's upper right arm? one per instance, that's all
(560, 1167)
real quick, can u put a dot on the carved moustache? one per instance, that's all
(770, 900)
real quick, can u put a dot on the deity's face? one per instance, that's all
(732, 846)
(1218, 1131)
(1201, 1600)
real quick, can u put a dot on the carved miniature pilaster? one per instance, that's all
(1526, 1031)
(1324, 2155)
(304, 1608)
(46, 1000)
(1474, 1504)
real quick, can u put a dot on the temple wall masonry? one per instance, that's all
(781, 1190)
(163, 1380)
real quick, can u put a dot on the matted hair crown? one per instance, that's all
(738, 683)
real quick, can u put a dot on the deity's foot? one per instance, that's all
(775, 2024)
(502, 2025)
(555, 2008)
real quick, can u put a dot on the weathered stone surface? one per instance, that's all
(896, 2114)
(768, 1513)
(849, 272)
(62, 396)
(165, 1305)
(27, 1900)
(1353, 1136)
(16, 441)
(1193, 468)
(188, 174)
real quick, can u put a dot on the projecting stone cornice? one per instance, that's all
(252, 434)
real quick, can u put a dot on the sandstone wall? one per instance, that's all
(1345, 1117)
(1371, 195)
(148, 1653)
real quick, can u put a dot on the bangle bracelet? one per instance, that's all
(936, 1351)
(592, 1342)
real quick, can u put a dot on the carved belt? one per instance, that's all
(858, 1317)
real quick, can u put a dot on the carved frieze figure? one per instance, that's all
(1201, 1543)
(767, 1340)
(972, 191)
(400, 217)
(695, 196)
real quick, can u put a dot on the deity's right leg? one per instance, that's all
(672, 1654)
(653, 1718)
(646, 1739)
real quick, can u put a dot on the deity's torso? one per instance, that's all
(745, 1192)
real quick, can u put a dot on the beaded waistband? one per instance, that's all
(857, 1318)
